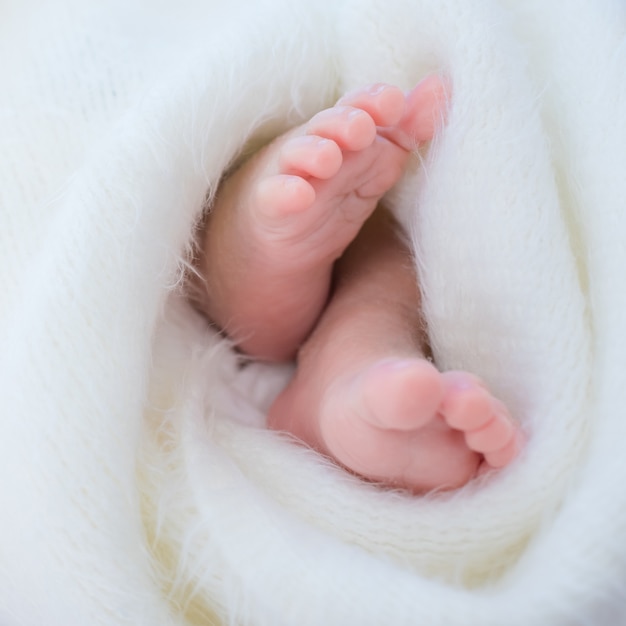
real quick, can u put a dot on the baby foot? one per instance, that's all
(401, 422)
(363, 393)
(281, 220)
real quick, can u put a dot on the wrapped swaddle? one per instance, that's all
(138, 483)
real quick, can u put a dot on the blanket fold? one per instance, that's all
(138, 481)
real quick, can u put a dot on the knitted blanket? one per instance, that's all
(137, 481)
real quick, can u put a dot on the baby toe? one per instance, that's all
(384, 103)
(311, 155)
(467, 405)
(427, 107)
(493, 436)
(502, 457)
(349, 127)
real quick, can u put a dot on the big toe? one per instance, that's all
(400, 394)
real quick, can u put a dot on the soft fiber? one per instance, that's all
(138, 483)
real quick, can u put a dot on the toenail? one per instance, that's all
(339, 108)
(463, 385)
(396, 364)
(374, 90)
(355, 113)
(291, 181)
(308, 140)
(463, 381)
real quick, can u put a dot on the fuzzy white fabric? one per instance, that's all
(137, 482)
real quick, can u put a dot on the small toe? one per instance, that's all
(384, 103)
(350, 127)
(502, 457)
(427, 107)
(486, 423)
(497, 433)
(425, 113)
(467, 404)
(311, 155)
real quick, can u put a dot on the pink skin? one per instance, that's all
(302, 214)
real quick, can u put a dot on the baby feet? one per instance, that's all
(280, 221)
(302, 211)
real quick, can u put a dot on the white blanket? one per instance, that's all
(137, 483)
